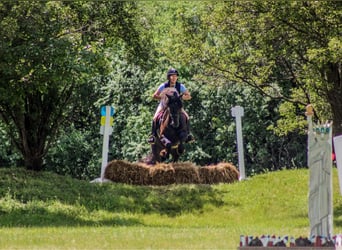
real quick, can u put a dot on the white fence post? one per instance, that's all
(338, 155)
(237, 112)
(107, 120)
(320, 171)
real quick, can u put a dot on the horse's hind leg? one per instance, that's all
(176, 153)
(175, 157)
(180, 149)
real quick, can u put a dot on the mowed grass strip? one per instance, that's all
(47, 211)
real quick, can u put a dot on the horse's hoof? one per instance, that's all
(151, 163)
(181, 149)
(190, 138)
(163, 153)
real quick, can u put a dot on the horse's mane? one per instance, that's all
(167, 91)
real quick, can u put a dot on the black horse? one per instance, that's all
(172, 128)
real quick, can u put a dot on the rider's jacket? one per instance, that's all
(179, 86)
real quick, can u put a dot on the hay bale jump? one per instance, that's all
(220, 173)
(173, 173)
(126, 172)
(162, 174)
(186, 173)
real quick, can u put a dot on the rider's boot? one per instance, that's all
(152, 138)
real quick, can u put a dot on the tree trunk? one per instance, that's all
(333, 75)
(34, 130)
(335, 98)
(337, 117)
(33, 162)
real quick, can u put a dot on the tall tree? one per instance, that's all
(289, 51)
(47, 50)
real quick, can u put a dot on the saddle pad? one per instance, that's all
(159, 116)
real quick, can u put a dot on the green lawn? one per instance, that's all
(47, 211)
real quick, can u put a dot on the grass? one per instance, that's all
(47, 211)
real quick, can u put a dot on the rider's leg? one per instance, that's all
(190, 137)
(153, 135)
(151, 139)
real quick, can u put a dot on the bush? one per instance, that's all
(8, 155)
(76, 153)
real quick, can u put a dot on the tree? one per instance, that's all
(127, 89)
(48, 49)
(290, 51)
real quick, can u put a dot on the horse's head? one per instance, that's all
(174, 105)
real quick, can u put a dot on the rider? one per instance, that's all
(172, 76)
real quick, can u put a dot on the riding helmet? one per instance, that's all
(172, 71)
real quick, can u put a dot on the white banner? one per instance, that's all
(338, 155)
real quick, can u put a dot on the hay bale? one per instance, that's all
(230, 170)
(165, 174)
(186, 172)
(207, 174)
(162, 174)
(217, 174)
(220, 173)
(142, 175)
(126, 172)
(110, 172)
(117, 170)
(204, 174)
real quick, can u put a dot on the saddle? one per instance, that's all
(159, 116)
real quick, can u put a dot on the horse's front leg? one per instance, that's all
(164, 154)
(155, 153)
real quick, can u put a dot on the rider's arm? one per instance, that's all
(186, 94)
(156, 94)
